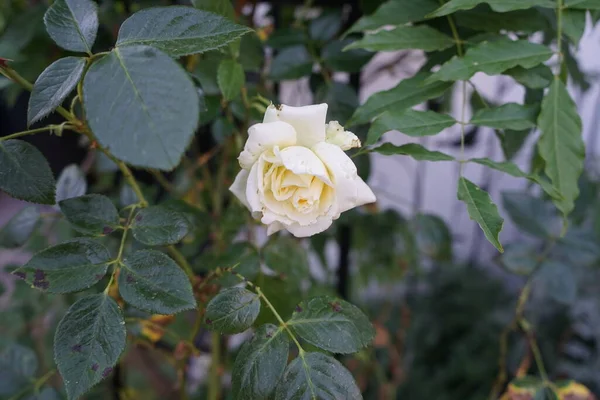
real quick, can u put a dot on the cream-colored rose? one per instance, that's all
(295, 174)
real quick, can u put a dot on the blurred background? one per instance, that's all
(441, 297)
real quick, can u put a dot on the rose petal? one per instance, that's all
(252, 192)
(301, 160)
(238, 188)
(351, 191)
(308, 121)
(304, 231)
(274, 227)
(262, 137)
(271, 114)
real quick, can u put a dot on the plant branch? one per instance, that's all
(180, 259)
(33, 131)
(264, 298)
(17, 78)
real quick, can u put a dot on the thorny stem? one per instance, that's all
(559, 31)
(33, 131)
(520, 320)
(15, 77)
(282, 323)
(118, 260)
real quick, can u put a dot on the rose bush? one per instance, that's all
(295, 174)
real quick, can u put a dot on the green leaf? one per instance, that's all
(531, 214)
(260, 364)
(67, 267)
(157, 225)
(496, 5)
(153, 282)
(406, 94)
(512, 142)
(18, 365)
(287, 37)
(487, 20)
(573, 24)
(325, 26)
(492, 58)
(538, 77)
(432, 236)
(482, 210)
(559, 280)
(221, 7)
(560, 144)
(19, 228)
(92, 214)
(205, 73)
(410, 122)
(73, 24)
(414, 150)
(53, 86)
(335, 57)
(578, 247)
(420, 37)
(19, 30)
(317, 376)
(231, 78)
(71, 183)
(232, 311)
(249, 263)
(583, 4)
(395, 12)
(507, 116)
(252, 53)
(291, 63)
(285, 255)
(160, 118)
(45, 394)
(178, 31)
(25, 173)
(520, 258)
(88, 342)
(512, 169)
(332, 324)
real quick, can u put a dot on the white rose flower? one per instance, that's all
(295, 174)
